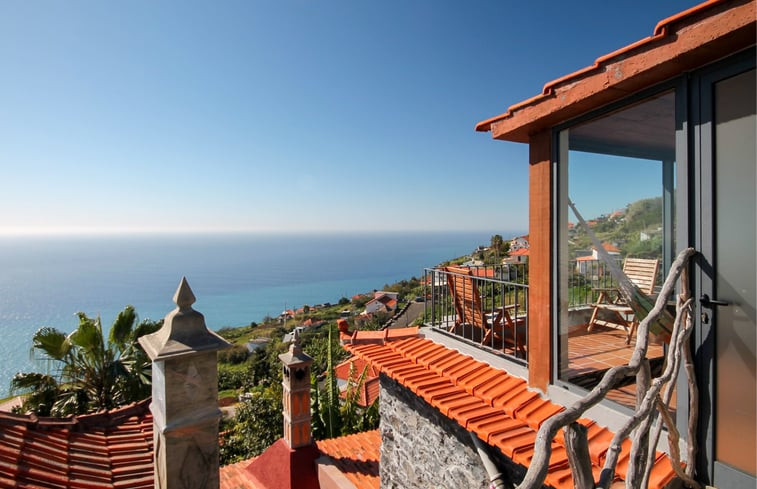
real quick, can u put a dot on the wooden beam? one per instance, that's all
(540, 261)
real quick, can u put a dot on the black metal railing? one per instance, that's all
(486, 306)
(586, 278)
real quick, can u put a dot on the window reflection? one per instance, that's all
(618, 171)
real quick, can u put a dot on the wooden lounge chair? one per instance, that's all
(643, 273)
(470, 311)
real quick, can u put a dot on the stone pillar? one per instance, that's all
(296, 383)
(184, 397)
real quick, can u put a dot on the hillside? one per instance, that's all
(636, 230)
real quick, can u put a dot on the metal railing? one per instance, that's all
(486, 306)
(585, 277)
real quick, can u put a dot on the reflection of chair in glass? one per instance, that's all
(643, 273)
(469, 310)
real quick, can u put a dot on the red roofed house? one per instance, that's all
(678, 110)
(381, 303)
(518, 256)
(519, 242)
(462, 406)
(348, 374)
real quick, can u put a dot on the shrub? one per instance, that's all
(234, 355)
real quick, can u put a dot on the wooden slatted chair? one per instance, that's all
(643, 273)
(470, 311)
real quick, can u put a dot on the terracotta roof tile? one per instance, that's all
(675, 30)
(495, 405)
(112, 449)
(356, 456)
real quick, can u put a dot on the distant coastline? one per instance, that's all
(238, 278)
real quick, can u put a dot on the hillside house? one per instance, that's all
(519, 243)
(520, 255)
(680, 105)
(379, 293)
(382, 302)
(674, 113)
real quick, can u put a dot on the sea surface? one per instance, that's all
(237, 278)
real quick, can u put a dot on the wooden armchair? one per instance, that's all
(643, 273)
(470, 311)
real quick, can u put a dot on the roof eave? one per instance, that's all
(687, 41)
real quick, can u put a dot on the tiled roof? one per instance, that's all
(495, 405)
(357, 365)
(368, 392)
(686, 49)
(104, 450)
(587, 258)
(356, 456)
(281, 467)
(234, 476)
(378, 337)
(520, 252)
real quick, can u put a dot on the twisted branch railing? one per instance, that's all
(649, 403)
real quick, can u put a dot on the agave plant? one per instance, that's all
(87, 373)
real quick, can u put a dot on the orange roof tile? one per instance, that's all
(495, 405)
(111, 449)
(586, 258)
(684, 48)
(356, 456)
(355, 365)
(520, 252)
(234, 476)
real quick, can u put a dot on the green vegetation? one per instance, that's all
(88, 374)
(258, 421)
(637, 233)
(257, 424)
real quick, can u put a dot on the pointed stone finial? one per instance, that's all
(184, 297)
(183, 332)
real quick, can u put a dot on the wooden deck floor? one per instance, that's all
(591, 354)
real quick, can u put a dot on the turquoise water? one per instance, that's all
(237, 279)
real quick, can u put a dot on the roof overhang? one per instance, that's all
(686, 41)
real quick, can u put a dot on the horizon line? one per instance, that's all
(64, 232)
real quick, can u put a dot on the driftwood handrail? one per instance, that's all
(648, 404)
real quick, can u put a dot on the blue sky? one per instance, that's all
(281, 116)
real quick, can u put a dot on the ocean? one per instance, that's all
(237, 278)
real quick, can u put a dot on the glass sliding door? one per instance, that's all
(618, 171)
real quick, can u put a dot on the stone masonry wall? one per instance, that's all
(421, 448)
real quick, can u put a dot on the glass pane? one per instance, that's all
(618, 171)
(735, 277)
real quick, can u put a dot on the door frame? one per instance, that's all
(702, 221)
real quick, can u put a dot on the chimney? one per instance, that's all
(296, 383)
(184, 396)
(290, 462)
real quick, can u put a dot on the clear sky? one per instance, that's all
(281, 115)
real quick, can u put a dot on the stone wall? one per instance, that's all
(421, 448)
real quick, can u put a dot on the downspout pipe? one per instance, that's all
(496, 477)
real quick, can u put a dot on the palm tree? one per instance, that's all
(89, 374)
(496, 244)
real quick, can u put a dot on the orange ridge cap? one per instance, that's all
(662, 29)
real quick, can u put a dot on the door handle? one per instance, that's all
(707, 302)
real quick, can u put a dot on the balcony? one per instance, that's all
(487, 306)
(484, 305)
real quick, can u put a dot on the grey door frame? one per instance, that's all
(701, 234)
